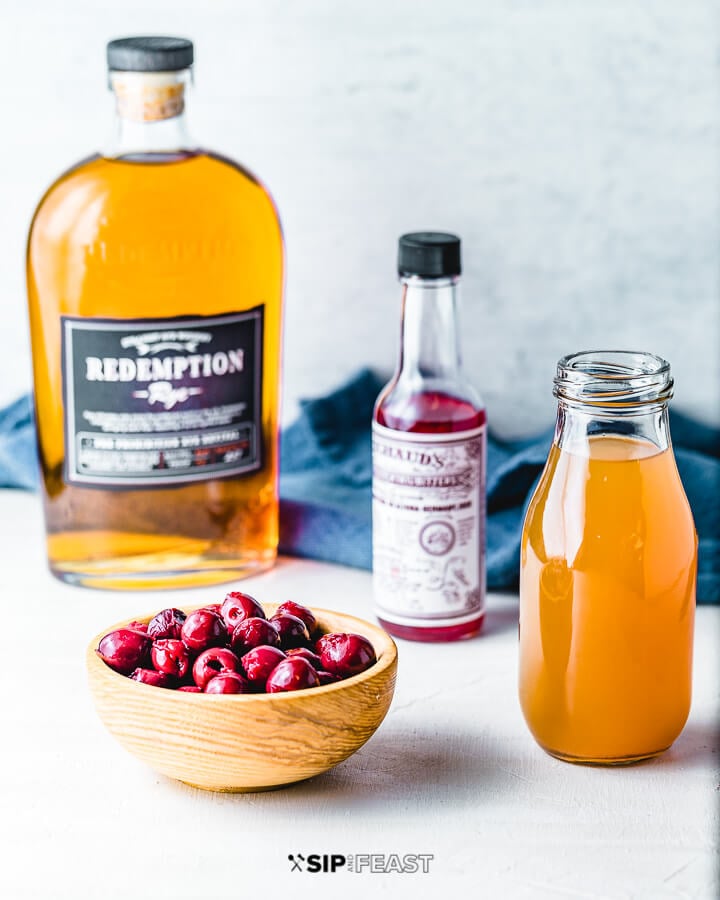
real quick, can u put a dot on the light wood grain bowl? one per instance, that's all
(247, 742)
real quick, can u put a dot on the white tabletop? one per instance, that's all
(452, 772)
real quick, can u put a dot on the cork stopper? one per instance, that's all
(148, 96)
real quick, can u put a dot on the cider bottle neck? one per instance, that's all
(576, 426)
(617, 393)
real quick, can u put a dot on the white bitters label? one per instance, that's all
(428, 525)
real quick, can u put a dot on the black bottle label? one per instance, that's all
(162, 401)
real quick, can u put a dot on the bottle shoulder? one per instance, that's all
(173, 190)
(76, 174)
(237, 169)
(200, 170)
(427, 407)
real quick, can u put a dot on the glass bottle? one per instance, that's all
(608, 567)
(155, 277)
(429, 461)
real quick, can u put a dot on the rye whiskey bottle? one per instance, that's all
(429, 462)
(155, 278)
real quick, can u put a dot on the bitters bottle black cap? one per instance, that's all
(149, 54)
(429, 254)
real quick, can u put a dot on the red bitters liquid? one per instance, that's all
(431, 412)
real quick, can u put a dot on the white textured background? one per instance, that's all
(575, 146)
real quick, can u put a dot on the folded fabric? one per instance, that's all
(326, 471)
(326, 474)
(18, 462)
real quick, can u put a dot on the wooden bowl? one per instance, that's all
(247, 742)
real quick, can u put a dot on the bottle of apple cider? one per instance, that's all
(155, 277)
(608, 569)
(429, 461)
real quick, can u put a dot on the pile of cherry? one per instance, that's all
(233, 648)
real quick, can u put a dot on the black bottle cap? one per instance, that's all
(149, 54)
(430, 254)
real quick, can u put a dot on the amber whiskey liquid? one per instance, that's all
(161, 251)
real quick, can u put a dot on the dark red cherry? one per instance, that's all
(202, 629)
(345, 654)
(214, 607)
(307, 654)
(259, 662)
(301, 612)
(239, 606)
(171, 657)
(293, 632)
(292, 674)
(138, 626)
(190, 689)
(212, 662)
(167, 623)
(252, 633)
(150, 676)
(125, 650)
(227, 683)
(325, 678)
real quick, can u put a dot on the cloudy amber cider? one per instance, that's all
(150, 236)
(607, 599)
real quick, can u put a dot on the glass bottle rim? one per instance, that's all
(617, 381)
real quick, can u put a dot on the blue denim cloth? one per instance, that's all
(325, 482)
(18, 462)
(325, 486)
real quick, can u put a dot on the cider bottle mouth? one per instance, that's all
(619, 381)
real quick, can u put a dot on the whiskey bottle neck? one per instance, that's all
(149, 113)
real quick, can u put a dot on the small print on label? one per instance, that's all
(428, 523)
